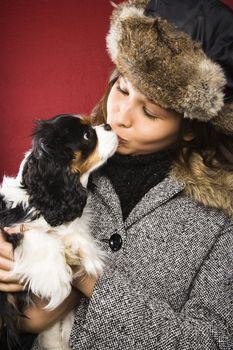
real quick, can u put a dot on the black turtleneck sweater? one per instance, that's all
(133, 176)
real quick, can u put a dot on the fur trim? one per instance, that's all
(224, 121)
(165, 64)
(212, 188)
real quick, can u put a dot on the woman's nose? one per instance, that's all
(125, 117)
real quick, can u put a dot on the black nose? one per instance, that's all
(107, 127)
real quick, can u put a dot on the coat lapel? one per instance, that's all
(156, 196)
(210, 187)
(104, 190)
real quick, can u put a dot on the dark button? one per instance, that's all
(115, 242)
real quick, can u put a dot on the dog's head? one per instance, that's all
(66, 149)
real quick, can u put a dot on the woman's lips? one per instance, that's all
(121, 140)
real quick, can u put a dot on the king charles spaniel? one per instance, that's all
(49, 195)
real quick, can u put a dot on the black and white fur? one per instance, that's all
(49, 195)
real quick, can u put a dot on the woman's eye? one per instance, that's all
(122, 91)
(87, 135)
(149, 114)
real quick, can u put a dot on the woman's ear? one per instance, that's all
(189, 136)
(187, 129)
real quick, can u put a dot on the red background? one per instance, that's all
(52, 60)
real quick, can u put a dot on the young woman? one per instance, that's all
(163, 204)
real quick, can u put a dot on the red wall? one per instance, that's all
(228, 2)
(52, 60)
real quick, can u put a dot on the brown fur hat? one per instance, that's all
(167, 66)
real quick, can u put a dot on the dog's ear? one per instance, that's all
(2, 203)
(68, 203)
(53, 190)
(43, 139)
(50, 141)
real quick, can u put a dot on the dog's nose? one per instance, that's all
(107, 127)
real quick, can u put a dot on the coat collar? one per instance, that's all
(156, 196)
(210, 187)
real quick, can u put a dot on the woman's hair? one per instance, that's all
(214, 146)
(99, 113)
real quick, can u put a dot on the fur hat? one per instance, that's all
(168, 65)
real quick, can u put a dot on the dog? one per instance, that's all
(49, 196)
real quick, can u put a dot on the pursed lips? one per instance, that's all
(121, 140)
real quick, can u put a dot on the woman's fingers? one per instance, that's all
(16, 229)
(11, 287)
(6, 264)
(6, 276)
(8, 283)
(6, 249)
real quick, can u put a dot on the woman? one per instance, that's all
(162, 206)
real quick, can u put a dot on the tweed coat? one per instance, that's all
(170, 285)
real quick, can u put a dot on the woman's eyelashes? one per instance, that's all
(146, 112)
(123, 91)
(149, 114)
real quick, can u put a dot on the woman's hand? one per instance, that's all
(7, 283)
(85, 284)
(38, 318)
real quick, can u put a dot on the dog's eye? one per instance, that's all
(87, 135)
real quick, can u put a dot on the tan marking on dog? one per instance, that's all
(11, 300)
(85, 121)
(74, 257)
(83, 167)
(76, 162)
(71, 258)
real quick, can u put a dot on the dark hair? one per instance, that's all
(99, 113)
(214, 146)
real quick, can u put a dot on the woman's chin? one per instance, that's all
(122, 149)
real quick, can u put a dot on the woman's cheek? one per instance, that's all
(110, 120)
(112, 109)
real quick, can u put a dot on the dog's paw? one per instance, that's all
(93, 261)
(85, 255)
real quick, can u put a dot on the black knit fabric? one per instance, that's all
(133, 176)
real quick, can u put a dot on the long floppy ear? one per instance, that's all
(53, 190)
(2, 203)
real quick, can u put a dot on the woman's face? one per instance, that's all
(142, 127)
